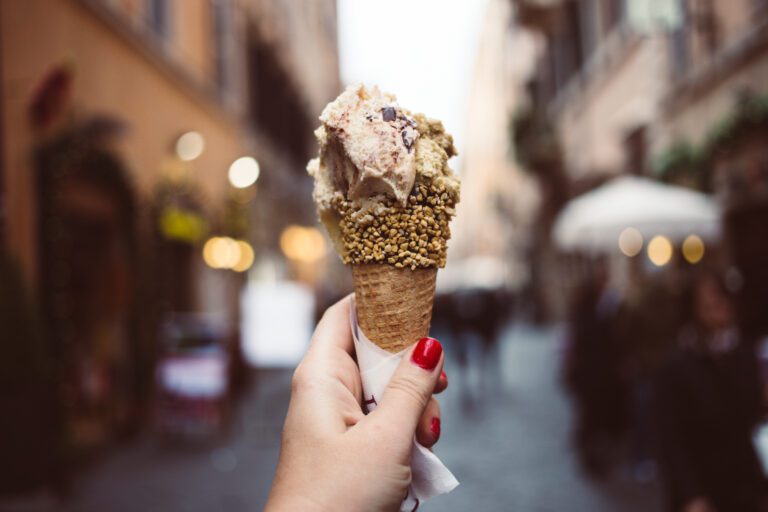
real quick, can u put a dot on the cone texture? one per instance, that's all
(394, 305)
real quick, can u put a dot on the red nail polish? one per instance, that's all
(443, 375)
(427, 353)
(435, 428)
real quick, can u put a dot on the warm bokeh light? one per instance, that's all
(246, 257)
(221, 252)
(190, 146)
(244, 172)
(226, 253)
(659, 250)
(630, 242)
(693, 249)
(303, 244)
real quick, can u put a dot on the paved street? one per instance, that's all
(511, 453)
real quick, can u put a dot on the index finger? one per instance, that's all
(333, 331)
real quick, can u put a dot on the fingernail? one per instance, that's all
(427, 353)
(435, 428)
(443, 375)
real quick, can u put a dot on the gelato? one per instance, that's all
(383, 187)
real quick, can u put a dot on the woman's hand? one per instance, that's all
(334, 457)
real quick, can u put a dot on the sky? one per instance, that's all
(423, 51)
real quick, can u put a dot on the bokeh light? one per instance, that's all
(659, 250)
(630, 242)
(246, 257)
(302, 244)
(190, 146)
(221, 252)
(693, 249)
(244, 172)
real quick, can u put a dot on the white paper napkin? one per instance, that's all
(430, 477)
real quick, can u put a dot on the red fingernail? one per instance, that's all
(435, 428)
(427, 353)
(443, 375)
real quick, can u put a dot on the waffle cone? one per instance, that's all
(394, 305)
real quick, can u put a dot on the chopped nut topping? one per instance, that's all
(412, 236)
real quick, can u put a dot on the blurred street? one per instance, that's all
(518, 439)
(187, 185)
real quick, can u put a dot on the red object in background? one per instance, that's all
(51, 97)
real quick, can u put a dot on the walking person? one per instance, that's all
(709, 402)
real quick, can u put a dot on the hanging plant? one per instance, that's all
(750, 116)
(683, 164)
(535, 141)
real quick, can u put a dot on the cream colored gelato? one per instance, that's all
(381, 167)
(368, 144)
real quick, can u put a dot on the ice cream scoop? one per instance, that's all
(369, 145)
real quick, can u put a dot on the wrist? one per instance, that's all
(288, 502)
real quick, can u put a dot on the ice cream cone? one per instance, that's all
(394, 305)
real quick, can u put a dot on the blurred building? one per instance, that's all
(672, 89)
(120, 121)
(495, 194)
(714, 131)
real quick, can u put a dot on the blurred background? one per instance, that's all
(605, 302)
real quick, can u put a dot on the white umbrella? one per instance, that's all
(474, 272)
(595, 220)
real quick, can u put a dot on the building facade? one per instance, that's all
(120, 120)
(495, 193)
(672, 89)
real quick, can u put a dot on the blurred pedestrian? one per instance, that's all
(709, 402)
(647, 325)
(593, 372)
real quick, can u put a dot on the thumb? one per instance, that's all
(410, 388)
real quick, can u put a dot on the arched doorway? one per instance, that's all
(87, 259)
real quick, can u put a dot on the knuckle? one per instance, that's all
(410, 387)
(331, 311)
(300, 380)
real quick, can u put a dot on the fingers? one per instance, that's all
(428, 431)
(410, 389)
(442, 383)
(333, 331)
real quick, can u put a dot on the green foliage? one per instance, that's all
(182, 225)
(750, 115)
(535, 141)
(683, 164)
(689, 165)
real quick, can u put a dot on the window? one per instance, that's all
(589, 33)
(615, 12)
(680, 48)
(707, 26)
(221, 20)
(158, 17)
(571, 41)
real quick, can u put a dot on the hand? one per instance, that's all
(699, 505)
(334, 457)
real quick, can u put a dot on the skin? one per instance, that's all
(334, 457)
